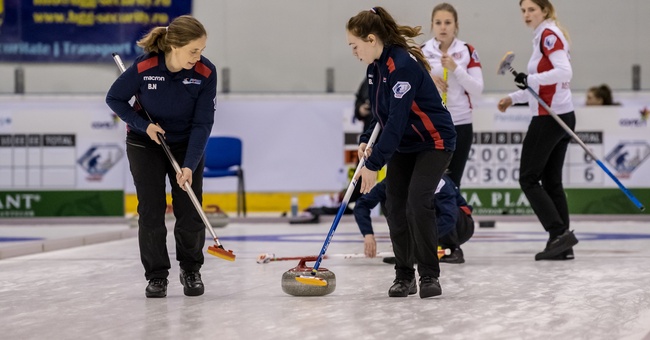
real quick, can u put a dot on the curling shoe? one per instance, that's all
(402, 288)
(557, 246)
(429, 287)
(456, 256)
(192, 284)
(567, 255)
(157, 288)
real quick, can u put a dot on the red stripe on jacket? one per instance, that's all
(391, 65)
(473, 58)
(201, 69)
(428, 124)
(147, 64)
(546, 92)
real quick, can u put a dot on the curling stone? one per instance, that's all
(295, 288)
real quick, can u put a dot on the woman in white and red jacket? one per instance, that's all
(464, 79)
(546, 142)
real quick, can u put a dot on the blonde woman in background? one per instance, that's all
(459, 61)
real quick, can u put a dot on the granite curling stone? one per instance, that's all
(295, 288)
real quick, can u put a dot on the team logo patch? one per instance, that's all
(401, 88)
(549, 42)
(187, 81)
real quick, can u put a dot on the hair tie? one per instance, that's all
(373, 10)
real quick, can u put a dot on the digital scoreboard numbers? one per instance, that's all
(579, 168)
(494, 159)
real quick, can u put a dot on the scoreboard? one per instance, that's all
(494, 160)
(618, 136)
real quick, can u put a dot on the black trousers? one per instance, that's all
(150, 167)
(411, 181)
(463, 231)
(464, 138)
(540, 170)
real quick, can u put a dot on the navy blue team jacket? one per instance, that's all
(406, 102)
(182, 103)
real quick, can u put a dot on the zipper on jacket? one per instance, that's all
(378, 82)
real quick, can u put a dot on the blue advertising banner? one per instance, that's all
(80, 30)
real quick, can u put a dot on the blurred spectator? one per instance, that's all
(600, 95)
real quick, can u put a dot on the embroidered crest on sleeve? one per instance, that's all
(400, 89)
(549, 41)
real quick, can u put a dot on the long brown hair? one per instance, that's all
(180, 32)
(550, 14)
(379, 22)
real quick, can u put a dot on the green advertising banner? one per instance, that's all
(61, 203)
(608, 201)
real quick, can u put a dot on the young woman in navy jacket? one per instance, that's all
(177, 87)
(416, 142)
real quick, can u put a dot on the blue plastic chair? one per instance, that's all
(223, 157)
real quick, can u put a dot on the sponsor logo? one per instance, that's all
(627, 156)
(18, 204)
(153, 78)
(106, 124)
(188, 81)
(401, 88)
(636, 122)
(99, 159)
(549, 42)
(456, 55)
(645, 112)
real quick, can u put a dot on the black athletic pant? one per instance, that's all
(411, 181)
(464, 138)
(150, 167)
(540, 170)
(462, 232)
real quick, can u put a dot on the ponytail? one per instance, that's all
(179, 33)
(379, 22)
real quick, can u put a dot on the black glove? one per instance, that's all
(521, 80)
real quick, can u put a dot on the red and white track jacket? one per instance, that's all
(549, 72)
(465, 81)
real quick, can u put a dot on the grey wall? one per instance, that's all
(285, 46)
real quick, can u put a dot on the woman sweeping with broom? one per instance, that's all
(417, 141)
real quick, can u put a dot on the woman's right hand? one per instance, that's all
(153, 130)
(369, 245)
(504, 103)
